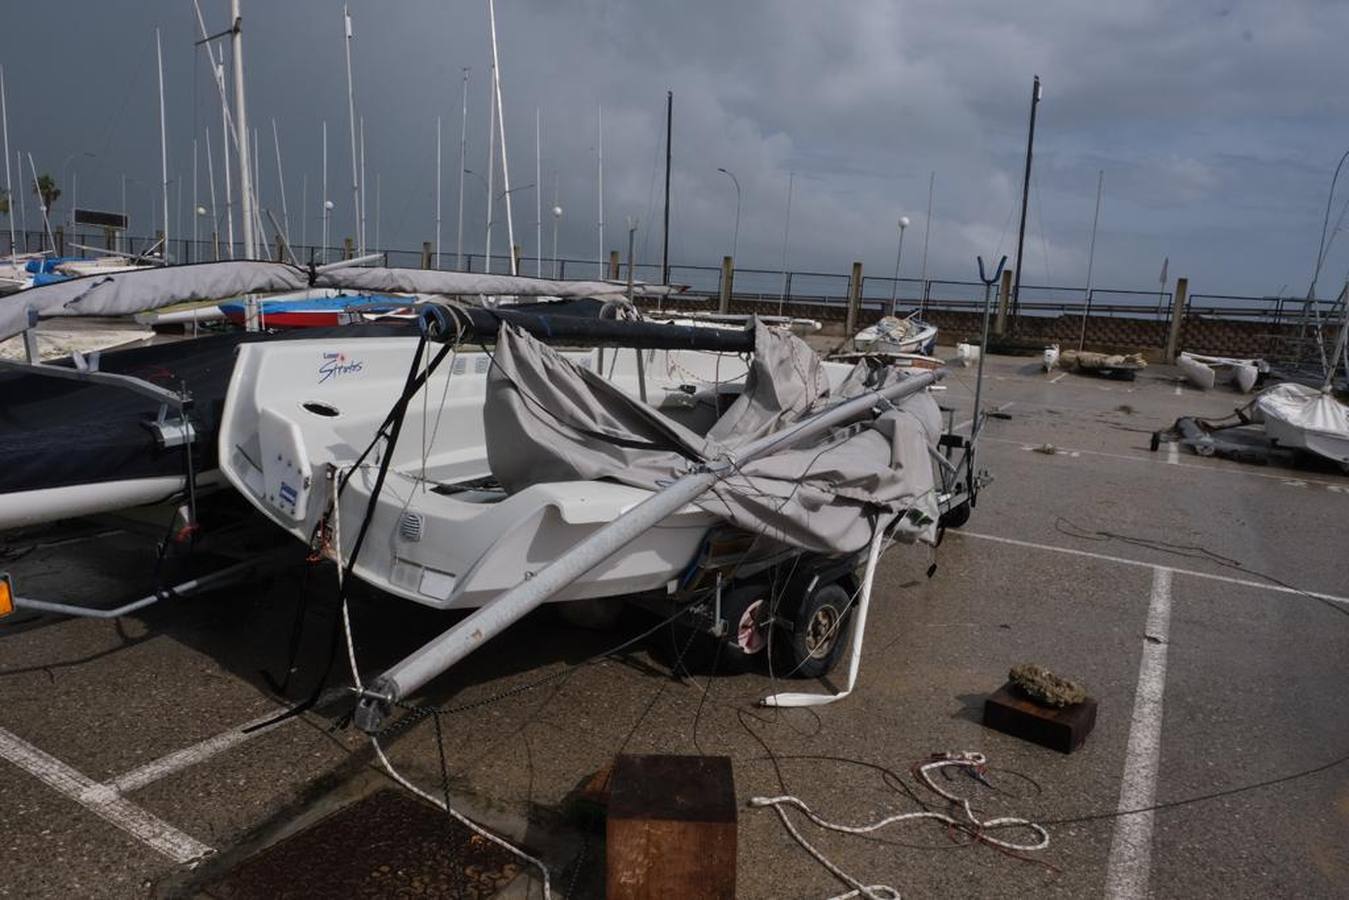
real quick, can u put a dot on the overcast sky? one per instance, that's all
(1217, 124)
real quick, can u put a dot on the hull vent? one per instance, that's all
(410, 526)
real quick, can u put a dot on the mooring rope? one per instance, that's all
(973, 764)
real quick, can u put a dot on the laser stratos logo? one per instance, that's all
(336, 364)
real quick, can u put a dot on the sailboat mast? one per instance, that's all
(600, 149)
(665, 241)
(491, 164)
(196, 230)
(438, 198)
(163, 147)
(1091, 256)
(325, 191)
(246, 195)
(210, 178)
(9, 183)
(538, 198)
(351, 122)
(463, 147)
(281, 183)
(1025, 200)
(501, 123)
(363, 185)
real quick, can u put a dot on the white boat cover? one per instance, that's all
(124, 293)
(1305, 408)
(548, 420)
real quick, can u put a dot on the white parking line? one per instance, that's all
(1226, 579)
(1173, 453)
(1059, 377)
(968, 422)
(1179, 390)
(1130, 864)
(102, 800)
(1337, 487)
(178, 760)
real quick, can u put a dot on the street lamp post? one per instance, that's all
(557, 217)
(894, 282)
(735, 239)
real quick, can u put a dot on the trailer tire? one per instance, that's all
(956, 516)
(821, 629)
(747, 611)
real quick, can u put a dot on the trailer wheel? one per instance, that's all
(748, 616)
(956, 516)
(820, 630)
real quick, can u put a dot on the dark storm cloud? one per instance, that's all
(1217, 124)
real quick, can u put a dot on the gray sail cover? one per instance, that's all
(549, 420)
(124, 293)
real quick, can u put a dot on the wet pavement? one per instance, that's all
(1204, 604)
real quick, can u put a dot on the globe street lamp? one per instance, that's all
(894, 282)
(735, 239)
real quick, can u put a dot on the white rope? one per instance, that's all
(374, 740)
(971, 762)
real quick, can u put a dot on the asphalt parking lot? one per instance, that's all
(1203, 603)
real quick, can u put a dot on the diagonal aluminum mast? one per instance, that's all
(351, 123)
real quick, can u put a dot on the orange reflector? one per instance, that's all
(6, 596)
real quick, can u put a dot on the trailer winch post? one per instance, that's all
(490, 620)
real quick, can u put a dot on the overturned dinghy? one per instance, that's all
(895, 335)
(503, 479)
(1304, 418)
(1206, 371)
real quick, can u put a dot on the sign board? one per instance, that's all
(101, 219)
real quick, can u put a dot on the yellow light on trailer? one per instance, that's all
(6, 595)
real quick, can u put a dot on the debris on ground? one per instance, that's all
(1047, 449)
(1043, 686)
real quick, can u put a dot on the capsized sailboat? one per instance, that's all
(895, 335)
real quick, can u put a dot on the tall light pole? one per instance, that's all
(557, 217)
(899, 254)
(735, 238)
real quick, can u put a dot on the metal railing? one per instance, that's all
(768, 287)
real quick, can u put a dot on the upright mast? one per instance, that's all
(665, 241)
(196, 230)
(538, 198)
(1091, 256)
(463, 147)
(1025, 199)
(9, 182)
(281, 183)
(351, 122)
(363, 185)
(326, 207)
(218, 73)
(600, 148)
(501, 123)
(241, 128)
(210, 179)
(163, 147)
(491, 163)
(438, 172)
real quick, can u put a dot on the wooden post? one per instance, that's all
(280, 248)
(854, 300)
(727, 284)
(346, 248)
(215, 244)
(517, 252)
(109, 238)
(671, 829)
(61, 240)
(426, 254)
(613, 265)
(1177, 318)
(1004, 297)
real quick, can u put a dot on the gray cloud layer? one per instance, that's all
(1217, 124)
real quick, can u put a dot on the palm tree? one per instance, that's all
(46, 189)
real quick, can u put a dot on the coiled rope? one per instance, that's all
(973, 764)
